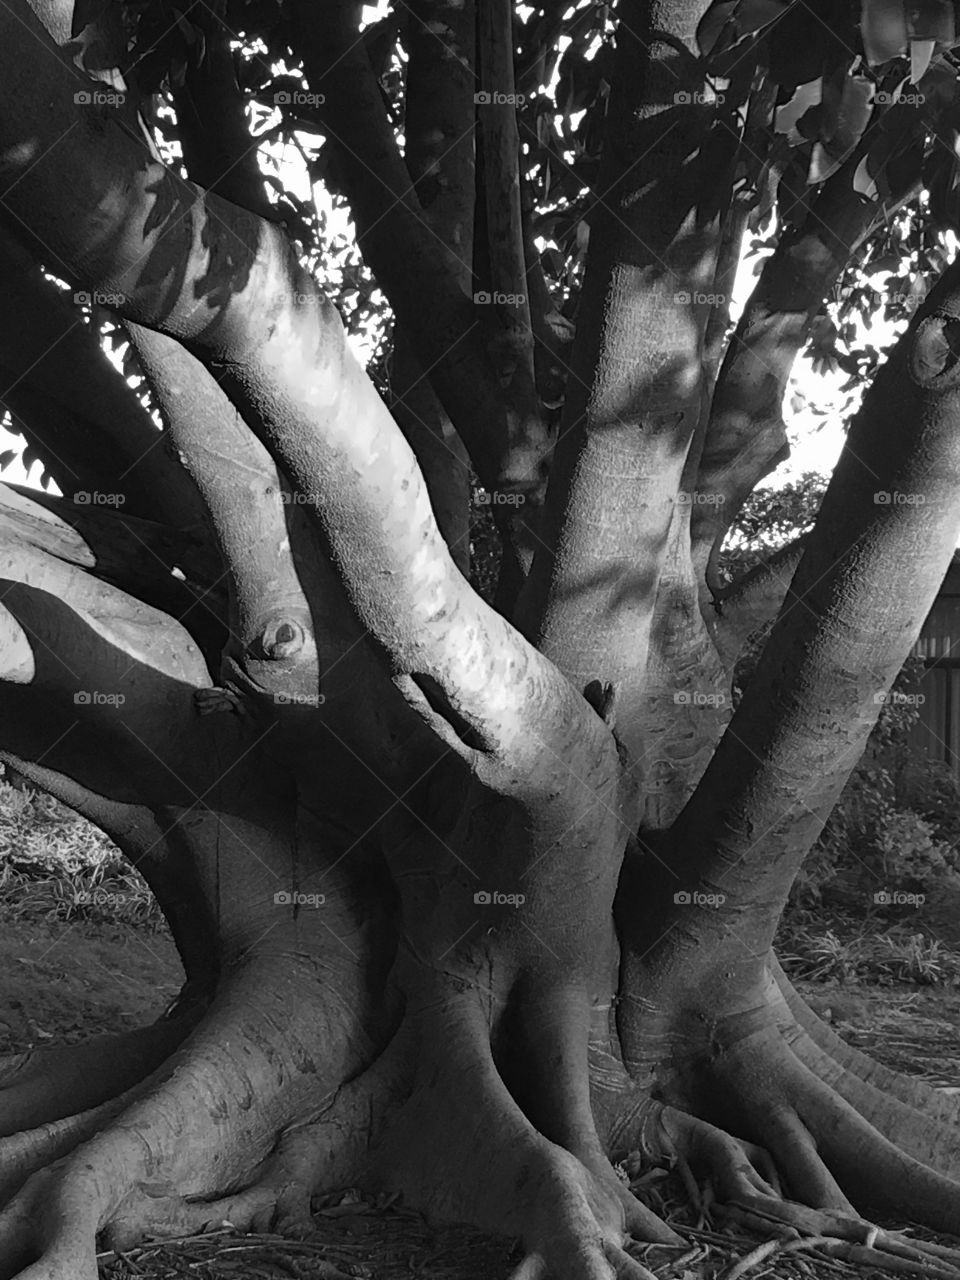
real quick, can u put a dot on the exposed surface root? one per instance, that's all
(490, 1166)
(193, 1145)
(48, 1084)
(22, 1154)
(922, 1098)
(741, 1185)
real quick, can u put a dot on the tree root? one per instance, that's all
(22, 1154)
(920, 1097)
(44, 1085)
(197, 1143)
(494, 1168)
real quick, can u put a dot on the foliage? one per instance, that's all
(769, 519)
(894, 824)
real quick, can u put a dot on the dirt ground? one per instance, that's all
(67, 981)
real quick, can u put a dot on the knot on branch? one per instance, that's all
(282, 639)
(934, 359)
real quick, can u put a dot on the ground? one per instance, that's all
(75, 978)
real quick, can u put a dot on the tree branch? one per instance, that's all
(82, 418)
(453, 339)
(870, 571)
(746, 438)
(752, 602)
(224, 283)
(634, 392)
(438, 129)
(218, 151)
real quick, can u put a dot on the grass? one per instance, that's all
(896, 955)
(54, 865)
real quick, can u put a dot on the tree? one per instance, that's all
(473, 899)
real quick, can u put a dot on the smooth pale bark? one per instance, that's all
(286, 367)
(869, 572)
(745, 435)
(633, 397)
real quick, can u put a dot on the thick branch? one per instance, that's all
(85, 422)
(634, 393)
(218, 151)
(869, 573)
(438, 128)
(746, 438)
(225, 283)
(499, 141)
(138, 556)
(456, 341)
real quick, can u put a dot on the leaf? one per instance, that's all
(7, 457)
(863, 182)
(728, 22)
(806, 96)
(847, 111)
(883, 29)
(921, 53)
(187, 29)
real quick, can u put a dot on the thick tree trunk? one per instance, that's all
(388, 832)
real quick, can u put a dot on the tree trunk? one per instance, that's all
(463, 916)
